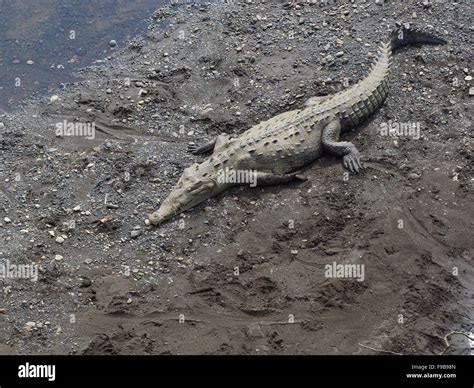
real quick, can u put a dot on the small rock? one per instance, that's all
(54, 98)
(339, 54)
(7, 220)
(108, 91)
(327, 59)
(77, 208)
(69, 225)
(59, 240)
(471, 91)
(30, 325)
(413, 176)
(113, 43)
(86, 282)
(58, 257)
(468, 78)
(29, 62)
(135, 233)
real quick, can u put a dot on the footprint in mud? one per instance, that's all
(340, 293)
(101, 345)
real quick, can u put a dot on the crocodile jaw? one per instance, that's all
(183, 198)
(161, 215)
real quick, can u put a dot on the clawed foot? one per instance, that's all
(194, 149)
(297, 177)
(352, 161)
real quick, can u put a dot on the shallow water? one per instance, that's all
(43, 43)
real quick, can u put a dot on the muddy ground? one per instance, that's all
(244, 272)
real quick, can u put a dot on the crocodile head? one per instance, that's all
(191, 189)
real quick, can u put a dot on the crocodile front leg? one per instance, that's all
(216, 144)
(348, 151)
(196, 149)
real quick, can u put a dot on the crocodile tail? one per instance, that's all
(403, 36)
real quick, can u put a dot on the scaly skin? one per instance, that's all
(291, 140)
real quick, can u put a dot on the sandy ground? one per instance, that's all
(245, 272)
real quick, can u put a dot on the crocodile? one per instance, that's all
(274, 150)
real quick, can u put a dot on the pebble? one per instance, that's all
(471, 91)
(135, 233)
(7, 220)
(108, 91)
(30, 325)
(69, 225)
(413, 176)
(76, 208)
(113, 43)
(59, 240)
(339, 54)
(2, 125)
(468, 78)
(54, 98)
(29, 62)
(327, 58)
(58, 257)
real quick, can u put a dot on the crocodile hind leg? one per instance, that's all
(348, 151)
(271, 179)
